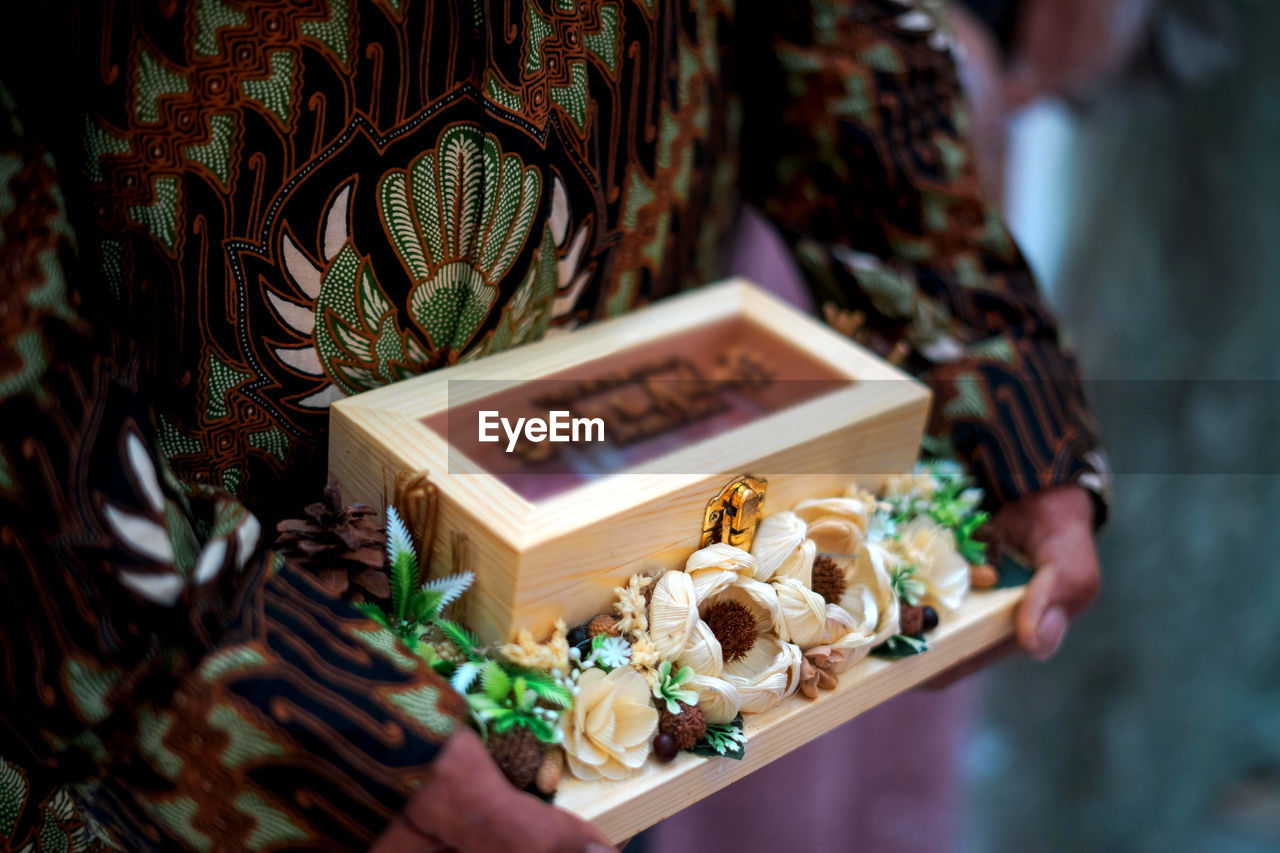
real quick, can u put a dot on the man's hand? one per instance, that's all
(465, 803)
(1055, 529)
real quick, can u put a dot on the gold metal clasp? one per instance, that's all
(733, 514)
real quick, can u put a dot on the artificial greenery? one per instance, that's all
(723, 740)
(900, 646)
(507, 701)
(415, 606)
(908, 587)
(668, 689)
(509, 695)
(954, 505)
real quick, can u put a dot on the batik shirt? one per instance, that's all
(219, 216)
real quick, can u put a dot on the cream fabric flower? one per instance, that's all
(856, 509)
(834, 534)
(607, 733)
(787, 547)
(782, 549)
(718, 699)
(734, 634)
(931, 548)
(673, 614)
(804, 612)
(767, 674)
(731, 619)
(862, 610)
(920, 483)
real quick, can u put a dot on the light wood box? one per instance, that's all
(539, 559)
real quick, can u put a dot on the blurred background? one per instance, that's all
(1144, 185)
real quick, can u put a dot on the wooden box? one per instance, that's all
(694, 391)
(657, 791)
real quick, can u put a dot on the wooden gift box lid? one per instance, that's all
(548, 546)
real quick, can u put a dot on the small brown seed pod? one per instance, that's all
(911, 620)
(687, 728)
(552, 769)
(982, 577)
(603, 624)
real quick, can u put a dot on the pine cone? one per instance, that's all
(687, 728)
(518, 753)
(343, 546)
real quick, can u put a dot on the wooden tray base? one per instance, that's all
(622, 809)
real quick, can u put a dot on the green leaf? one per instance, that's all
(425, 604)
(723, 740)
(541, 729)
(497, 685)
(549, 690)
(461, 637)
(900, 646)
(973, 551)
(404, 565)
(484, 706)
(667, 689)
(908, 587)
(507, 722)
(375, 613)
(528, 699)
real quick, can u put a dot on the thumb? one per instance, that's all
(1065, 584)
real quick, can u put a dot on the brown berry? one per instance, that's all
(687, 727)
(602, 625)
(982, 577)
(911, 620)
(664, 748)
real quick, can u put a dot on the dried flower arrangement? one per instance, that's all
(679, 659)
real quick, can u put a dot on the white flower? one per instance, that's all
(781, 548)
(788, 547)
(612, 653)
(862, 610)
(734, 636)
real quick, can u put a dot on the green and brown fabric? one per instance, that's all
(219, 216)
